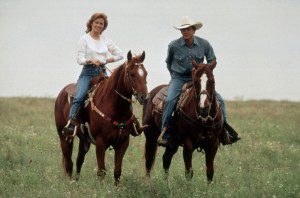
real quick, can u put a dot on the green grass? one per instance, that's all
(266, 163)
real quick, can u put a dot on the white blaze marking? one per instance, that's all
(141, 72)
(203, 87)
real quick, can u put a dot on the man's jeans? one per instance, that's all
(83, 85)
(175, 88)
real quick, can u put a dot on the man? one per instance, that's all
(181, 52)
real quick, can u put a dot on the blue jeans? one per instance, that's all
(222, 103)
(175, 88)
(83, 85)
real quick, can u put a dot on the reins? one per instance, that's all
(122, 96)
(134, 92)
(126, 76)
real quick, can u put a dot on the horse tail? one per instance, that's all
(61, 110)
(151, 133)
(61, 114)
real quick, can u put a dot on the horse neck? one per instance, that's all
(214, 107)
(108, 94)
(191, 103)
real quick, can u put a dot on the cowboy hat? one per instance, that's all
(188, 22)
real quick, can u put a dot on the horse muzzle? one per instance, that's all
(204, 112)
(142, 98)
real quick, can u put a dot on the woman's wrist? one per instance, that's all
(88, 61)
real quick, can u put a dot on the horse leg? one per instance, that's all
(150, 150)
(100, 154)
(167, 158)
(67, 149)
(119, 154)
(187, 156)
(210, 154)
(84, 147)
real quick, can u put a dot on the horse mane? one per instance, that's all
(112, 81)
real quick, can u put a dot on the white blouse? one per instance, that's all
(89, 48)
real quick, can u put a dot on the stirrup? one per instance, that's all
(69, 134)
(160, 140)
(138, 129)
(142, 128)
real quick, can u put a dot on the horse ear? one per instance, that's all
(194, 64)
(129, 55)
(142, 57)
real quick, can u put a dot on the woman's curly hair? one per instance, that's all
(93, 18)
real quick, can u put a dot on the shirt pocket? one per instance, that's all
(199, 59)
(180, 59)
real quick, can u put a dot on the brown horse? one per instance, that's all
(197, 123)
(108, 116)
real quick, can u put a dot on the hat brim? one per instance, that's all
(197, 25)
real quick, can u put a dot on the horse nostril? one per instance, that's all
(204, 111)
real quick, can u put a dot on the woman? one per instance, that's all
(93, 49)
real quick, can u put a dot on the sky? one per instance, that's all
(256, 42)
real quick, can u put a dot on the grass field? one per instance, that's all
(266, 163)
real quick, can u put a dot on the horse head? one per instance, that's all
(136, 76)
(204, 85)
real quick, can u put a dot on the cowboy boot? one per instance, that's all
(163, 139)
(233, 135)
(138, 129)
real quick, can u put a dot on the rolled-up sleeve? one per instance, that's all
(81, 53)
(209, 53)
(114, 50)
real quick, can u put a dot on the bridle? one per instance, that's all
(211, 98)
(128, 77)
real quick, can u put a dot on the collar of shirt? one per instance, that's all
(182, 41)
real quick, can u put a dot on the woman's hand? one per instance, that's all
(88, 62)
(95, 62)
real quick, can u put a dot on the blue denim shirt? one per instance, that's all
(180, 56)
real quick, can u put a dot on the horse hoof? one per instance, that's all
(189, 175)
(77, 176)
(101, 174)
(166, 176)
(117, 182)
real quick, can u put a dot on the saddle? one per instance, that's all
(71, 88)
(159, 99)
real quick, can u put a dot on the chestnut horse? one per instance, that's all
(109, 116)
(195, 125)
